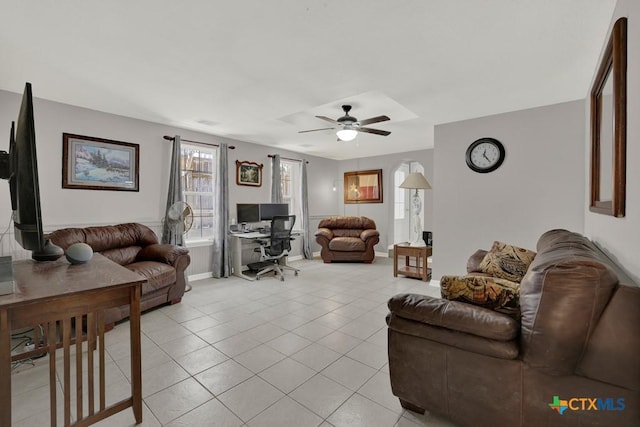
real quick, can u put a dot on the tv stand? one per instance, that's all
(50, 252)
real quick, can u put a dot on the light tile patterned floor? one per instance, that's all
(310, 351)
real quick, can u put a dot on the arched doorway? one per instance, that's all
(402, 218)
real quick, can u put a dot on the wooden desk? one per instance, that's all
(419, 269)
(52, 294)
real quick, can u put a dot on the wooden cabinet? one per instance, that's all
(415, 261)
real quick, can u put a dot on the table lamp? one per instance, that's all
(416, 181)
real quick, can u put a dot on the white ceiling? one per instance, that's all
(260, 71)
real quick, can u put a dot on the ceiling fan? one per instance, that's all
(348, 126)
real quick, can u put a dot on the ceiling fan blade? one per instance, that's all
(314, 130)
(326, 119)
(374, 120)
(374, 131)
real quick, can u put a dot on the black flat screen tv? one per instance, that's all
(20, 167)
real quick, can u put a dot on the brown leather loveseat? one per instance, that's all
(347, 238)
(571, 359)
(135, 246)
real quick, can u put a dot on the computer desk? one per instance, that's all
(240, 239)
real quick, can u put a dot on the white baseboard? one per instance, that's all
(200, 276)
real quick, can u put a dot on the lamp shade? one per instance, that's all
(416, 180)
(347, 134)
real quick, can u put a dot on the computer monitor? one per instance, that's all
(269, 210)
(248, 212)
(20, 168)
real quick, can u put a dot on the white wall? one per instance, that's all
(382, 213)
(72, 207)
(620, 236)
(539, 186)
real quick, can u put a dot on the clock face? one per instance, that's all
(485, 155)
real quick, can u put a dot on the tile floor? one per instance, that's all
(310, 351)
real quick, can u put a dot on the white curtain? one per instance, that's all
(276, 186)
(221, 266)
(170, 234)
(306, 243)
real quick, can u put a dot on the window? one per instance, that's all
(198, 175)
(291, 179)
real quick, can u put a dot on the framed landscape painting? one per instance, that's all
(99, 164)
(249, 173)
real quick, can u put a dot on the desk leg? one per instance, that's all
(5, 369)
(136, 353)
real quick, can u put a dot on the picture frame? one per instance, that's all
(249, 173)
(608, 127)
(90, 163)
(363, 186)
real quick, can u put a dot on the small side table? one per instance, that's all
(419, 268)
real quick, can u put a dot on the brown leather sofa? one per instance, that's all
(135, 246)
(347, 238)
(575, 349)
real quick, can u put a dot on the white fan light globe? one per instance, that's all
(79, 253)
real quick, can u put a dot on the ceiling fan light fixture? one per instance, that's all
(347, 134)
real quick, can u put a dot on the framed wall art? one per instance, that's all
(90, 163)
(363, 186)
(249, 173)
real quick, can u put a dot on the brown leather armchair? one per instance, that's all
(135, 246)
(347, 238)
(571, 359)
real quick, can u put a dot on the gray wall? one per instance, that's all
(320, 172)
(382, 213)
(620, 236)
(71, 207)
(539, 186)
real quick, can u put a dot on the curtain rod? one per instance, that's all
(171, 138)
(288, 158)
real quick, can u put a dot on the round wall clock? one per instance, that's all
(485, 155)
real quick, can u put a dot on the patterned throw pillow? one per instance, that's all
(507, 261)
(488, 292)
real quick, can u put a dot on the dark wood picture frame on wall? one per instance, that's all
(609, 127)
(249, 173)
(90, 163)
(363, 186)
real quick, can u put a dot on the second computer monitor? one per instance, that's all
(269, 210)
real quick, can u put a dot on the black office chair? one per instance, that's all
(272, 251)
